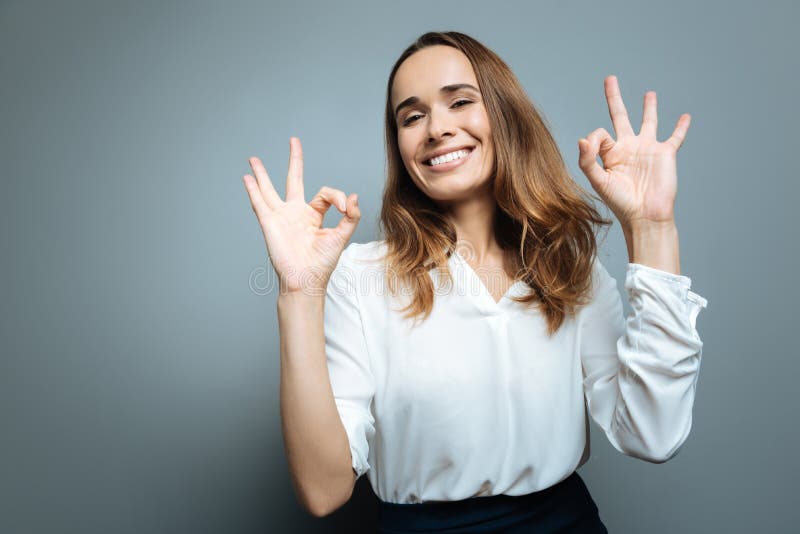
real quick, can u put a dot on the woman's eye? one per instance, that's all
(456, 104)
(410, 119)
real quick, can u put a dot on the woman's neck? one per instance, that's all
(474, 223)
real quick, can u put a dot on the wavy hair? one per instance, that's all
(545, 222)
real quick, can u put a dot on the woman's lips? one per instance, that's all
(442, 167)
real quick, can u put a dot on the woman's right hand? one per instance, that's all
(302, 253)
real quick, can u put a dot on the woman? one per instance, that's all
(455, 360)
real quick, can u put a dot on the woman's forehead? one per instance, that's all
(423, 73)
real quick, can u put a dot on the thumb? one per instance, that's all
(587, 160)
(347, 225)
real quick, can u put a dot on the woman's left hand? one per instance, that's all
(638, 180)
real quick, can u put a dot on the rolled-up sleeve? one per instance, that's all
(348, 360)
(640, 375)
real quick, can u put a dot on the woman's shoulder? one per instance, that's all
(360, 260)
(369, 253)
(361, 268)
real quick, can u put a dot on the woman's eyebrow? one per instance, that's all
(410, 101)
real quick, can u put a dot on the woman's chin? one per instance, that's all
(451, 189)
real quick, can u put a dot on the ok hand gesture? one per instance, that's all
(638, 180)
(302, 253)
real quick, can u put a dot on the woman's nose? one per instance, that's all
(438, 126)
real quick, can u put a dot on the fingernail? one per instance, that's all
(356, 202)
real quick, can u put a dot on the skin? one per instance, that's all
(301, 251)
(638, 178)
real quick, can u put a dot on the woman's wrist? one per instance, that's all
(654, 244)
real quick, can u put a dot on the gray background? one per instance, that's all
(140, 364)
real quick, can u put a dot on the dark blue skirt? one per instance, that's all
(565, 507)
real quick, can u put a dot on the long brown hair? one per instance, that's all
(544, 221)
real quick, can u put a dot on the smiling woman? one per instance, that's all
(465, 143)
(474, 416)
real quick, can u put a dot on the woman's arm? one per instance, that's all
(304, 254)
(640, 375)
(317, 447)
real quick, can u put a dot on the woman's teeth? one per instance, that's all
(448, 157)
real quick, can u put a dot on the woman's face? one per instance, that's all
(439, 110)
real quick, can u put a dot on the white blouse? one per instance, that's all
(477, 401)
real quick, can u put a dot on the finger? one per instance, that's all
(328, 196)
(589, 149)
(260, 207)
(347, 225)
(265, 184)
(649, 116)
(616, 108)
(679, 135)
(294, 180)
(604, 141)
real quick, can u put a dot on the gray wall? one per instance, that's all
(140, 364)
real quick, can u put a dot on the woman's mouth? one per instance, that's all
(449, 161)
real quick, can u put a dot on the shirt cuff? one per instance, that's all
(679, 283)
(682, 281)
